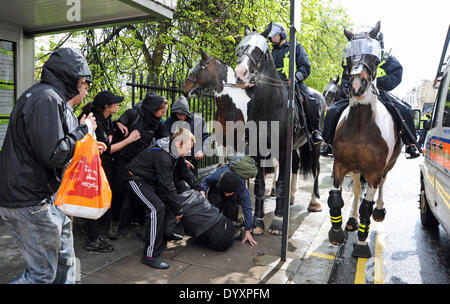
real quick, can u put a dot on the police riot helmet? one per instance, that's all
(277, 28)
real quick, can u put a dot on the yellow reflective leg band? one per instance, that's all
(336, 219)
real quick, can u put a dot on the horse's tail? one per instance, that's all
(307, 161)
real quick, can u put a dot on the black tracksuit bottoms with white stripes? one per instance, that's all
(155, 215)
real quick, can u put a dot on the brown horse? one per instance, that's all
(365, 142)
(231, 101)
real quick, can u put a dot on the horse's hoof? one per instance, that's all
(379, 214)
(314, 207)
(361, 251)
(258, 226)
(292, 200)
(276, 228)
(273, 192)
(336, 237)
(257, 231)
(352, 224)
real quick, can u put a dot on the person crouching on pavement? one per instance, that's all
(152, 177)
(203, 221)
(227, 190)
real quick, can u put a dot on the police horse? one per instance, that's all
(232, 102)
(366, 142)
(333, 92)
(256, 73)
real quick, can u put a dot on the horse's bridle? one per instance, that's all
(195, 73)
(257, 76)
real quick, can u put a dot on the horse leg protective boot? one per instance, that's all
(365, 211)
(280, 185)
(335, 202)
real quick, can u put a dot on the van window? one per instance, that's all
(446, 119)
(437, 108)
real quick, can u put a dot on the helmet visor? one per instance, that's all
(276, 29)
(366, 46)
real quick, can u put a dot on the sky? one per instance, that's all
(414, 31)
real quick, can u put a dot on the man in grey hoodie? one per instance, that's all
(181, 117)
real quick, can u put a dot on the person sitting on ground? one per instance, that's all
(203, 221)
(227, 190)
(152, 175)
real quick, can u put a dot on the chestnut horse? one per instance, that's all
(366, 142)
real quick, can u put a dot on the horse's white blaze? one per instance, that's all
(237, 95)
(243, 66)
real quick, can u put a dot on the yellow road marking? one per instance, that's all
(360, 277)
(322, 255)
(378, 268)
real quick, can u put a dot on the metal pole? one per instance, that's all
(290, 127)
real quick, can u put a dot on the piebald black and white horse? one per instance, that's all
(366, 142)
(256, 73)
(231, 102)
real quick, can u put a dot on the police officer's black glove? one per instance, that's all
(299, 76)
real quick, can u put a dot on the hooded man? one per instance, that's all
(181, 117)
(36, 149)
(146, 117)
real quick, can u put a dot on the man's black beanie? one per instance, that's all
(152, 102)
(230, 182)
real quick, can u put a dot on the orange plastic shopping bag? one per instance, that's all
(84, 191)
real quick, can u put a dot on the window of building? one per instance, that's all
(7, 84)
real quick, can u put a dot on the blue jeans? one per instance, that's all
(44, 236)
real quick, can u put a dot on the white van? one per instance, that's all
(435, 170)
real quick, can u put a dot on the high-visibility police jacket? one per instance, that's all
(389, 72)
(422, 119)
(281, 59)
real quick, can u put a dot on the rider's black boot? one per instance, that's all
(411, 152)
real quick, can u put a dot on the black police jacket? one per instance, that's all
(301, 60)
(37, 145)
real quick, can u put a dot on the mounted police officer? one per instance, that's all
(280, 54)
(389, 75)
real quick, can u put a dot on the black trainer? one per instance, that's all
(154, 262)
(99, 245)
(174, 237)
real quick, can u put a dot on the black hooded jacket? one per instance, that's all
(195, 122)
(141, 118)
(37, 145)
(199, 215)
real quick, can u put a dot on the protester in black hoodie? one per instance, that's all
(145, 117)
(104, 105)
(152, 177)
(36, 149)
